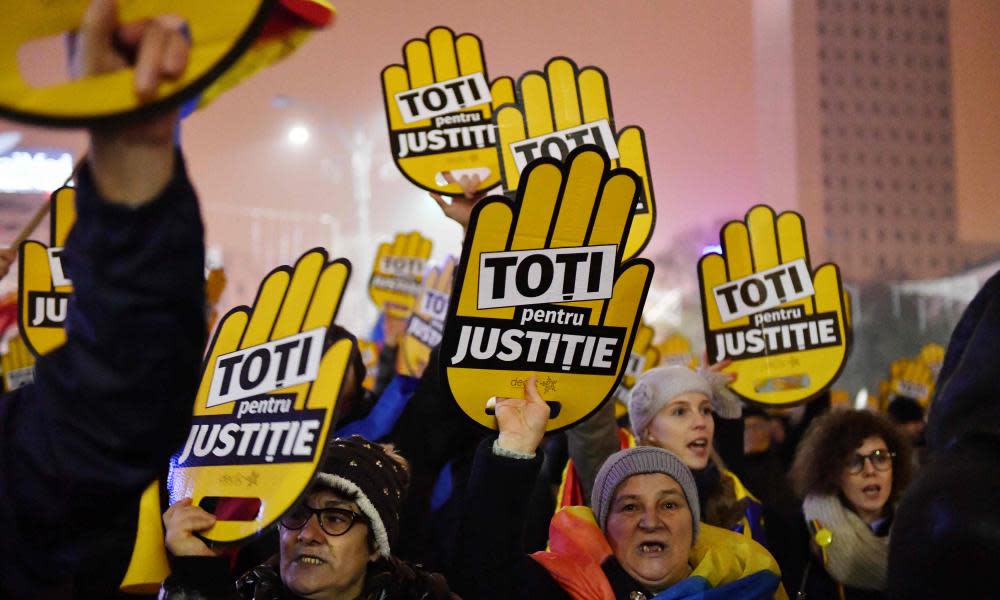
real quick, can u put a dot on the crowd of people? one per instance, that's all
(693, 494)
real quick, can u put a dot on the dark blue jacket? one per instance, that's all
(109, 407)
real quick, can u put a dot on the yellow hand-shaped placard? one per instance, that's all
(676, 349)
(561, 109)
(932, 355)
(542, 289)
(44, 289)
(440, 107)
(267, 398)
(369, 356)
(784, 326)
(220, 32)
(644, 355)
(426, 325)
(397, 275)
(18, 364)
(913, 379)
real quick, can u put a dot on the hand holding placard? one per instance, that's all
(542, 289)
(784, 327)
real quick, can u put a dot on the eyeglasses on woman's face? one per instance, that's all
(880, 459)
(333, 521)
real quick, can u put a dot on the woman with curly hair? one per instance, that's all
(850, 469)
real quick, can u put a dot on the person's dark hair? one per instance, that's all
(903, 409)
(832, 439)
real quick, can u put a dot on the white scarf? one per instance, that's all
(856, 557)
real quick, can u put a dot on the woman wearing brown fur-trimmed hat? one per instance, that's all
(344, 553)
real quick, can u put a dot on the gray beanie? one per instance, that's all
(658, 386)
(637, 461)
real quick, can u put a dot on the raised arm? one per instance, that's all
(110, 406)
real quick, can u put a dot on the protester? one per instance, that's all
(850, 468)
(946, 538)
(344, 553)
(109, 407)
(765, 475)
(643, 536)
(675, 408)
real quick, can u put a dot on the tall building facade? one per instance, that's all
(886, 140)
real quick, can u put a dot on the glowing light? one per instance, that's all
(298, 135)
(717, 249)
(39, 172)
(861, 400)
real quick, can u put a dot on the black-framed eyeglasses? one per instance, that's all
(333, 521)
(881, 460)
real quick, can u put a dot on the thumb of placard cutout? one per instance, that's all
(564, 108)
(266, 400)
(426, 325)
(440, 106)
(542, 290)
(44, 288)
(783, 324)
(398, 273)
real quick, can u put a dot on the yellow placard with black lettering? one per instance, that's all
(398, 273)
(18, 364)
(644, 356)
(440, 106)
(561, 109)
(783, 325)
(426, 324)
(912, 378)
(266, 400)
(542, 289)
(44, 288)
(220, 32)
(676, 350)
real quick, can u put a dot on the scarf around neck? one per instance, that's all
(855, 557)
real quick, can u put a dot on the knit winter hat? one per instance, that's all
(637, 461)
(365, 472)
(658, 386)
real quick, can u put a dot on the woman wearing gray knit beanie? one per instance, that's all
(850, 468)
(642, 541)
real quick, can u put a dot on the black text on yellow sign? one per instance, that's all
(426, 326)
(440, 106)
(565, 108)
(220, 32)
(542, 289)
(44, 288)
(267, 397)
(785, 327)
(397, 275)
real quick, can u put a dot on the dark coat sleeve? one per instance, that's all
(109, 407)
(491, 560)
